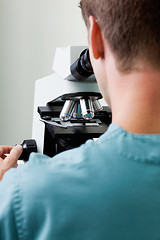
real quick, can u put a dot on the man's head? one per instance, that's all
(124, 45)
(131, 28)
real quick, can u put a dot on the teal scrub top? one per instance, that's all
(103, 190)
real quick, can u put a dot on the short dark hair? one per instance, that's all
(131, 28)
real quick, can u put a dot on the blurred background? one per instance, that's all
(30, 31)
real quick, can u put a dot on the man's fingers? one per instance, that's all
(3, 156)
(5, 149)
(11, 159)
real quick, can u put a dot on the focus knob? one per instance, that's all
(28, 147)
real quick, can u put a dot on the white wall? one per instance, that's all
(30, 30)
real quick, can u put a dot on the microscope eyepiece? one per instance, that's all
(82, 68)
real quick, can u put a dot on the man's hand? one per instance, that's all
(8, 158)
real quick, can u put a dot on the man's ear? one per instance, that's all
(95, 38)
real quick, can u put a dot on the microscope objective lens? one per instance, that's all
(77, 111)
(67, 110)
(87, 108)
(97, 106)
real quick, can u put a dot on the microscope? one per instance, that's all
(68, 106)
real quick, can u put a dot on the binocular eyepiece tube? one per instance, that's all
(82, 68)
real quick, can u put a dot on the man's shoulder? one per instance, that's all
(90, 151)
(72, 186)
(88, 155)
(42, 170)
(42, 173)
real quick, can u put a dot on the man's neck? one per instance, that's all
(135, 102)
